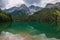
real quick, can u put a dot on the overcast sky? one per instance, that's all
(3, 3)
(11, 3)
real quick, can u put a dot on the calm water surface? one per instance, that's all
(32, 28)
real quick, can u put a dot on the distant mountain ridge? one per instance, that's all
(56, 5)
(34, 8)
(28, 10)
(22, 11)
(32, 13)
(10, 9)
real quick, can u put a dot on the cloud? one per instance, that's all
(41, 3)
(44, 2)
(12, 3)
(32, 1)
(3, 3)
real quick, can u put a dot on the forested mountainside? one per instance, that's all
(4, 17)
(45, 15)
(48, 14)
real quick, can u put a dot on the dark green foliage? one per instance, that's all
(4, 17)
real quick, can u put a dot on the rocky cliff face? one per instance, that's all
(50, 5)
(56, 5)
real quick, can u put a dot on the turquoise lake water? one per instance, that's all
(32, 28)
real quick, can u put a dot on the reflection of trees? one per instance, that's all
(48, 29)
(4, 26)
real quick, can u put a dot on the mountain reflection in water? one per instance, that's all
(33, 29)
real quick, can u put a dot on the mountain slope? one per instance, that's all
(34, 8)
(45, 15)
(23, 10)
(10, 10)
